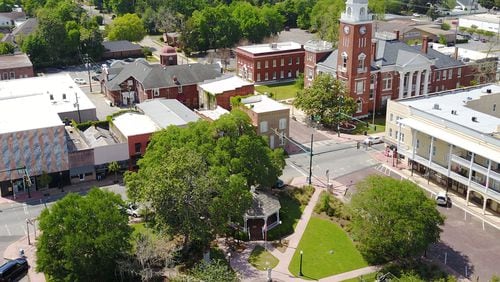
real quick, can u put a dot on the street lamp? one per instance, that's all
(28, 230)
(300, 267)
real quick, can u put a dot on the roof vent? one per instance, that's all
(64, 96)
(488, 91)
(436, 107)
(454, 112)
(474, 119)
(469, 98)
(274, 45)
(51, 97)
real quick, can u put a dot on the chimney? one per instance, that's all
(374, 49)
(396, 32)
(456, 53)
(425, 43)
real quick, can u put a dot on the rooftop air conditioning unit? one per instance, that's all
(436, 107)
(474, 119)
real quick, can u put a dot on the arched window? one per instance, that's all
(361, 62)
(359, 105)
(362, 11)
(349, 11)
(344, 60)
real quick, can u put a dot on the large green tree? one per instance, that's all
(393, 219)
(82, 237)
(325, 99)
(6, 48)
(127, 27)
(197, 178)
(324, 18)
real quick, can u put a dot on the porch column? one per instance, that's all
(484, 204)
(264, 228)
(417, 86)
(399, 135)
(467, 197)
(401, 84)
(488, 177)
(414, 144)
(449, 159)
(410, 83)
(426, 81)
(430, 151)
(470, 169)
(278, 215)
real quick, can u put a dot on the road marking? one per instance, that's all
(25, 207)
(8, 230)
(297, 169)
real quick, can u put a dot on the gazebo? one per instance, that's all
(263, 215)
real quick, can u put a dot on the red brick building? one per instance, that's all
(379, 68)
(15, 66)
(126, 84)
(270, 62)
(218, 92)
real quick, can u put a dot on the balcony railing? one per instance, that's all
(464, 160)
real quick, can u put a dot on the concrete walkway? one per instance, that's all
(239, 261)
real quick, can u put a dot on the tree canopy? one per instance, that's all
(82, 238)
(197, 178)
(127, 27)
(6, 48)
(325, 99)
(393, 219)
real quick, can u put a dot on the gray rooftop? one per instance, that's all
(158, 76)
(120, 45)
(97, 137)
(263, 205)
(75, 140)
(166, 112)
(20, 60)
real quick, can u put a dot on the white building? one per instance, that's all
(488, 22)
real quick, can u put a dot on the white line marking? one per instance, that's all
(8, 230)
(297, 169)
(25, 207)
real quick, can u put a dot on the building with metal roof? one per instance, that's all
(453, 138)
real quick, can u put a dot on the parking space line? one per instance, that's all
(8, 230)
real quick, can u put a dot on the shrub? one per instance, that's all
(445, 26)
(147, 52)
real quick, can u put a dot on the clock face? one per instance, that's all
(346, 29)
(362, 30)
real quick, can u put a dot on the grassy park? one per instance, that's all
(262, 259)
(280, 91)
(327, 250)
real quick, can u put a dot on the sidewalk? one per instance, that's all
(12, 252)
(404, 171)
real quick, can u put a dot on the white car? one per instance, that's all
(80, 80)
(373, 140)
(132, 210)
(442, 199)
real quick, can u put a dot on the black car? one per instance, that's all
(13, 270)
(95, 77)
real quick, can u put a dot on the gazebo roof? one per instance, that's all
(263, 205)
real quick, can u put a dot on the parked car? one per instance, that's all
(442, 199)
(14, 270)
(95, 77)
(129, 60)
(132, 210)
(373, 140)
(279, 184)
(80, 80)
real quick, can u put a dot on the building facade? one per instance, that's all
(382, 68)
(15, 66)
(267, 63)
(452, 138)
(218, 92)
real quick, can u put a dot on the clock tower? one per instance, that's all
(354, 52)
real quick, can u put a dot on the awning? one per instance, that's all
(455, 139)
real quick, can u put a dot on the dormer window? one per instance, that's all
(344, 60)
(362, 12)
(361, 63)
(349, 11)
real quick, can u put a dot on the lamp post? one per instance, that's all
(311, 160)
(300, 267)
(28, 230)
(338, 115)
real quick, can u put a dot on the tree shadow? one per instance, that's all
(455, 260)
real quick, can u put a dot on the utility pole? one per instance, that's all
(87, 64)
(77, 105)
(311, 160)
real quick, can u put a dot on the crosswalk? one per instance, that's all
(383, 169)
(13, 229)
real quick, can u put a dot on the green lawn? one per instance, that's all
(262, 259)
(363, 278)
(327, 250)
(379, 126)
(280, 91)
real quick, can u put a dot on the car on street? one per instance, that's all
(373, 140)
(95, 77)
(442, 199)
(80, 80)
(14, 270)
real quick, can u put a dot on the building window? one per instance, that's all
(282, 74)
(258, 76)
(266, 76)
(290, 61)
(12, 75)
(361, 62)
(282, 123)
(459, 72)
(444, 75)
(263, 126)
(390, 132)
(289, 74)
(297, 73)
(433, 150)
(360, 86)
(266, 64)
(438, 75)
(494, 107)
(156, 92)
(391, 117)
(396, 135)
(387, 82)
(450, 73)
(402, 137)
(137, 148)
(282, 61)
(258, 65)
(418, 144)
(274, 75)
(297, 61)
(274, 63)
(344, 61)
(359, 105)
